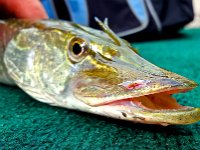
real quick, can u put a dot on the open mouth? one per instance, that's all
(162, 101)
(138, 95)
(149, 102)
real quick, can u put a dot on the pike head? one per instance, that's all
(77, 67)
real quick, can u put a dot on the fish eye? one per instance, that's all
(78, 49)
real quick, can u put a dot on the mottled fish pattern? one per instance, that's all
(77, 67)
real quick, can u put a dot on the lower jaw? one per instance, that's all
(160, 108)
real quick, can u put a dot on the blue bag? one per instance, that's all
(126, 17)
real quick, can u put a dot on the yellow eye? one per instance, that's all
(78, 49)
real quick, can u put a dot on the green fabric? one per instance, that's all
(29, 124)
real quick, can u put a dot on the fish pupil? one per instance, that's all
(77, 49)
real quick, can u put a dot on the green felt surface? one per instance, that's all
(29, 124)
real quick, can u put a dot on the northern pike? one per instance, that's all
(69, 65)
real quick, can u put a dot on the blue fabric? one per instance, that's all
(138, 8)
(78, 11)
(48, 5)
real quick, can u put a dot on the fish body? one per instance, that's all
(77, 67)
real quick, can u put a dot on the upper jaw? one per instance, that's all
(97, 92)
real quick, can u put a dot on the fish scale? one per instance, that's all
(102, 74)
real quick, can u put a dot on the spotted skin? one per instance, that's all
(105, 75)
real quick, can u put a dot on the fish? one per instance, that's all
(73, 66)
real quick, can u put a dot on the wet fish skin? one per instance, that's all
(38, 56)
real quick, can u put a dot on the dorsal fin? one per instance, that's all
(107, 30)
